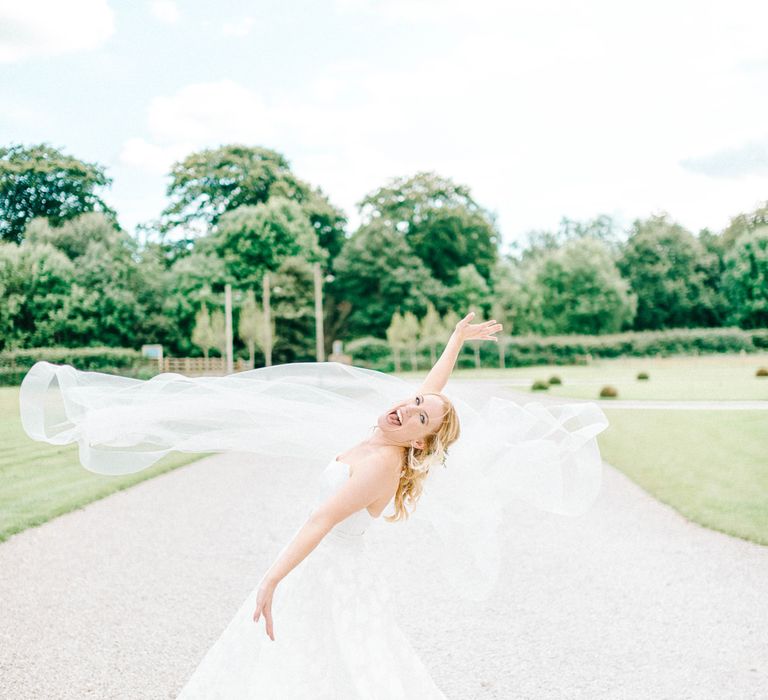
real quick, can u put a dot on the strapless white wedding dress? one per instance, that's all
(335, 634)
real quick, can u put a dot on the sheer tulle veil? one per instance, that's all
(545, 455)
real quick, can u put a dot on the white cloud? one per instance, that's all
(36, 28)
(239, 28)
(545, 110)
(196, 116)
(750, 158)
(165, 10)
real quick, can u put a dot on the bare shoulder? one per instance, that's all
(382, 464)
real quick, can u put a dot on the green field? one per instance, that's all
(725, 377)
(711, 466)
(39, 481)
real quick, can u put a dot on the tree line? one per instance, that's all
(425, 250)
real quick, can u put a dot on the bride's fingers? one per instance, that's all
(268, 618)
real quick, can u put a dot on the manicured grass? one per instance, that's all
(710, 466)
(724, 377)
(39, 481)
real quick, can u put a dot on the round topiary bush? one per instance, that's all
(554, 379)
(608, 392)
(540, 385)
(642, 375)
(762, 372)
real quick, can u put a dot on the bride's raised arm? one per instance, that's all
(438, 376)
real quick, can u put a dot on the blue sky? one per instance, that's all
(545, 109)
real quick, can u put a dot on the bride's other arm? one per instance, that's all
(438, 375)
(372, 478)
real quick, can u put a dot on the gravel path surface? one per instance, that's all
(122, 598)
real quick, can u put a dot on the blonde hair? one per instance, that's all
(416, 463)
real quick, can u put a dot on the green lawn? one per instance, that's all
(39, 481)
(726, 377)
(711, 466)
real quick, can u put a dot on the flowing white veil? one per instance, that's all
(546, 456)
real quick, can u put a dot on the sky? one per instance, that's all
(544, 108)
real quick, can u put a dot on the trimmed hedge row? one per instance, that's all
(522, 351)
(127, 362)
(374, 353)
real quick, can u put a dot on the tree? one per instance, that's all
(745, 281)
(203, 334)
(219, 331)
(741, 224)
(376, 272)
(667, 268)
(578, 289)
(251, 327)
(431, 331)
(35, 286)
(73, 236)
(254, 239)
(410, 331)
(540, 242)
(396, 337)
(471, 291)
(439, 219)
(41, 181)
(209, 183)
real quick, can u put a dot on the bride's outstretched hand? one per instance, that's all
(264, 605)
(477, 331)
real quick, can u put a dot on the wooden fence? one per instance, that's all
(200, 366)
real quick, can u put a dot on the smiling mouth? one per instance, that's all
(393, 418)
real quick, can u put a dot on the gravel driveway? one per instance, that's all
(122, 598)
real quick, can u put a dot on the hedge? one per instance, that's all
(127, 362)
(526, 350)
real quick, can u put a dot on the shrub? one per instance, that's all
(371, 353)
(554, 379)
(642, 375)
(608, 392)
(540, 385)
(762, 372)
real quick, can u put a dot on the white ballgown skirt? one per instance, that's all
(335, 634)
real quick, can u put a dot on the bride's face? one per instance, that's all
(410, 420)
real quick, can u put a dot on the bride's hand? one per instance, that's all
(476, 331)
(264, 605)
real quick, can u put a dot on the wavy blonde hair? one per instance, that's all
(416, 463)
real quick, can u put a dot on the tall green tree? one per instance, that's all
(219, 332)
(202, 333)
(254, 239)
(209, 183)
(431, 331)
(439, 219)
(396, 337)
(35, 291)
(375, 273)
(745, 281)
(252, 328)
(471, 290)
(667, 268)
(411, 338)
(578, 289)
(41, 181)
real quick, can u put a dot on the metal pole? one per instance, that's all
(228, 324)
(267, 322)
(319, 336)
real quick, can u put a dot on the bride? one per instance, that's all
(329, 628)
(331, 635)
